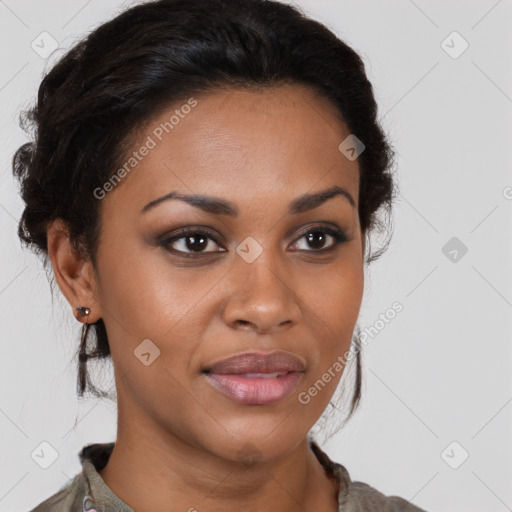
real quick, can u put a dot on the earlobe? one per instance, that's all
(73, 273)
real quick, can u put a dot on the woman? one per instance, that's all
(204, 180)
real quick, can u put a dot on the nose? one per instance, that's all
(261, 298)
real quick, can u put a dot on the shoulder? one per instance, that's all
(358, 496)
(76, 495)
(361, 497)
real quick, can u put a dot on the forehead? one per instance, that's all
(241, 144)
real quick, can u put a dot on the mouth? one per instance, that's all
(255, 378)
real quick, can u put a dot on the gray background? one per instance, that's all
(438, 373)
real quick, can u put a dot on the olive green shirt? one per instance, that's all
(87, 492)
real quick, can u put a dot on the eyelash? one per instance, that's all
(338, 235)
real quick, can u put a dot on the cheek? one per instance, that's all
(341, 306)
(145, 297)
(145, 294)
(334, 308)
(334, 298)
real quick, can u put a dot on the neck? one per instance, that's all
(149, 472)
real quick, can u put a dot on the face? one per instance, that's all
(182, 285)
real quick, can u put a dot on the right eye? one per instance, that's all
(189, 242)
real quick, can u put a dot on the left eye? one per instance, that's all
(317, 237)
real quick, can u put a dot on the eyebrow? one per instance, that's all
(217, 206)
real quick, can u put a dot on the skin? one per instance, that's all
(179, 439)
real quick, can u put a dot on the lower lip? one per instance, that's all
(257, 390)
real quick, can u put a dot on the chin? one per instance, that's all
(258, 444)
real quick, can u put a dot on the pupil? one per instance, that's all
(315, 237)
(193, 246)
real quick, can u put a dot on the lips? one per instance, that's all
(253, 362)
(256, 379)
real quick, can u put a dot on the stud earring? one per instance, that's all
(83, 310)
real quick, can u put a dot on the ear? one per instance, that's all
(74, 274)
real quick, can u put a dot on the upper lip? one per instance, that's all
(256, 362)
